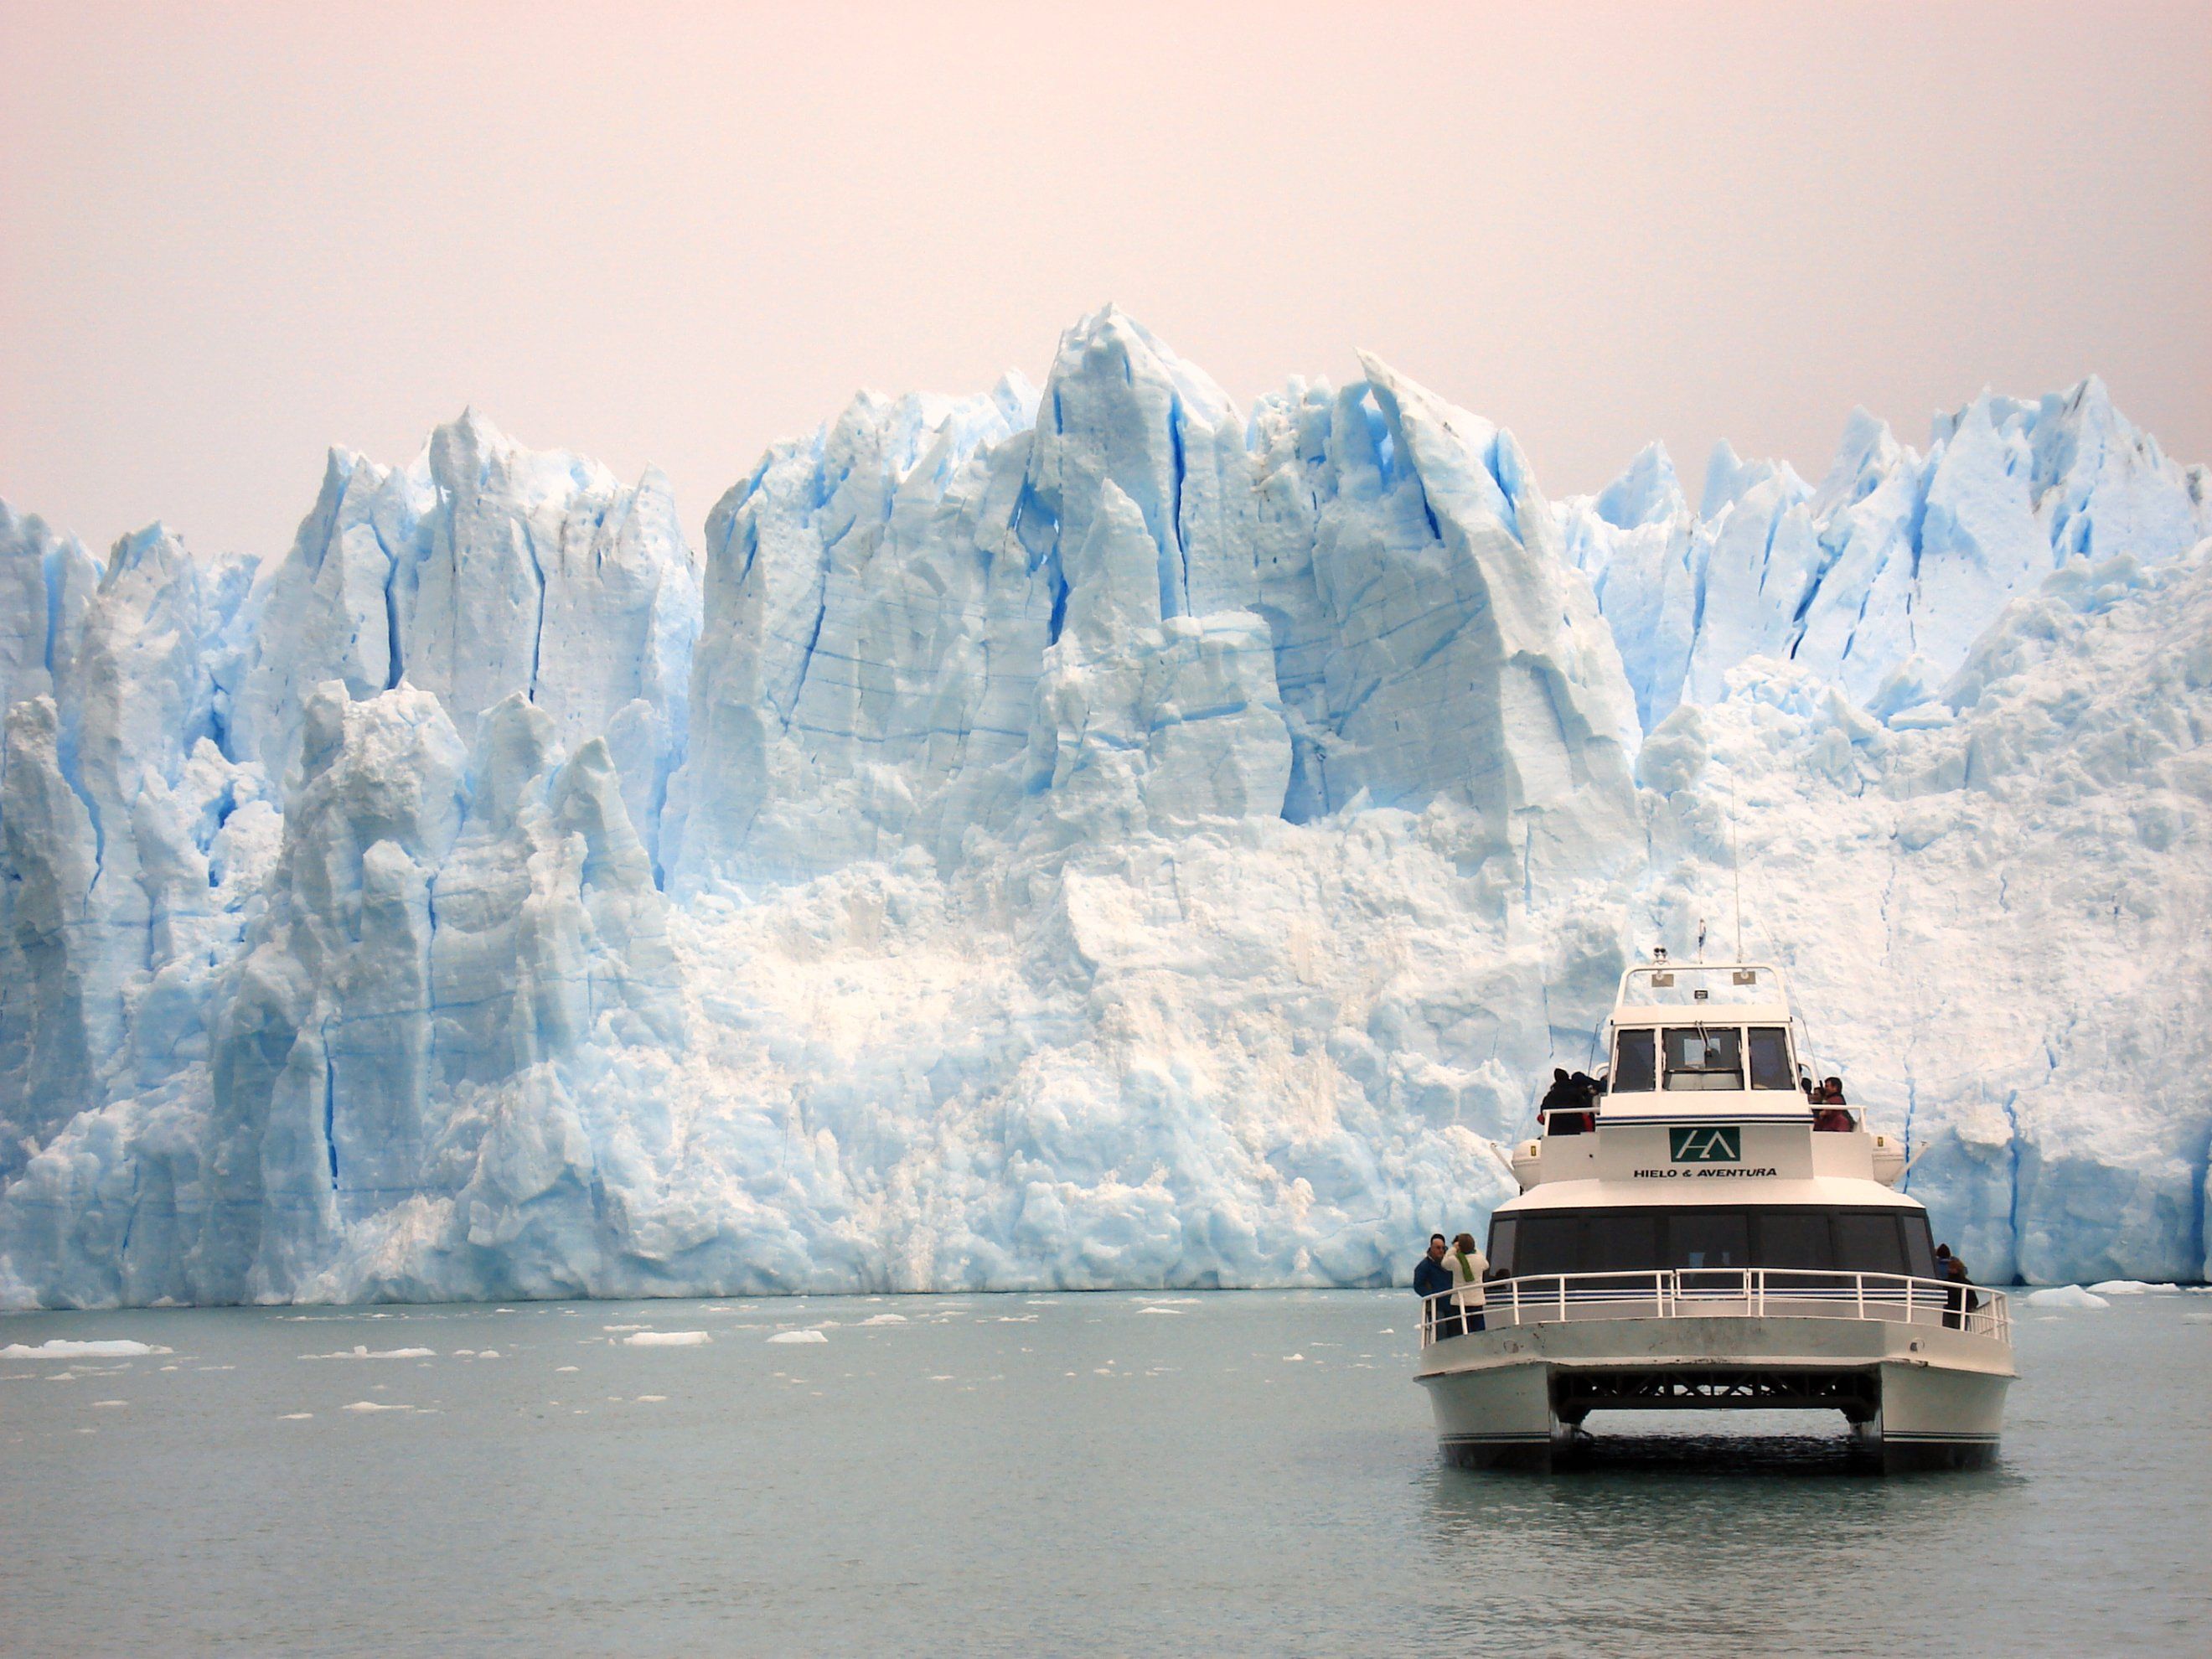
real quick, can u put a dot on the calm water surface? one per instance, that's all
(1232, 1474)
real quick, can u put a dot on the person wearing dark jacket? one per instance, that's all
(1953, 1272)
(1566, 1109)
(1431, 1279)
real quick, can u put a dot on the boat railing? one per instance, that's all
(1723, 1293)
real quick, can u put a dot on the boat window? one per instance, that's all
(1709, 1238)
(1633, 1072)
(1631, 1240)
(1869, 1242)
(1770, 1059)
(1501, 1229)
(1620, 1241)
(1703, 1057)
(1795, 1239)
(1920, 1258)
(1549, 1244)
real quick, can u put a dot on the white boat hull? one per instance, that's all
(1917, 1396)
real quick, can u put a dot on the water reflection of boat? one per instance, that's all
(1699, 1238)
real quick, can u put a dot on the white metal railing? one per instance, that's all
(1709, 1292)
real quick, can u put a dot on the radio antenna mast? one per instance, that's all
(1735, 865)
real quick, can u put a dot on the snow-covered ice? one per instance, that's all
(59, 1347)
(1081, 837)
(791, 1337)
(666, 1339)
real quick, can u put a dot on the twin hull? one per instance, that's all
(1917, 1397)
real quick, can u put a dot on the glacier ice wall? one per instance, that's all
(1081, 837)
(1882, 578)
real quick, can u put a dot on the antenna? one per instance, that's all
(1735, 865)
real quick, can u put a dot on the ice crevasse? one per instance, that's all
(1085, 836)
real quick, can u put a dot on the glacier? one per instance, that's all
(1090, 835)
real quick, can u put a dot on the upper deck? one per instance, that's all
(1702, 1087)
(1698, 1040)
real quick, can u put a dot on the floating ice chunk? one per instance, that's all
(1175, 1313)
(2132, 1287)
(361, 1351)
(294, 1417)
(564, 1368)
(651, 1398)
(795, 1336)
(62, 1348)
(375, 1405)
(2065, 1296)
(666, 1339)
(99, 1404)
(885, 1318)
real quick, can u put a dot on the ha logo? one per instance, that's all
(1721, 1144)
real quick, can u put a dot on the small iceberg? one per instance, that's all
(799, 1336)
(2132, 1287)
(62, 1348)
(666, 1339)
(2065, 1296)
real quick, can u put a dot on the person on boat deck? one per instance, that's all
(1952, 1270)
(1468, 1265)
(1432, 1279)
(1566, 1105)
(1828, 1108)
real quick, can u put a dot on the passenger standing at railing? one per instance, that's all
(1468, 1265)
(1953, 1272)
(1431, 1280)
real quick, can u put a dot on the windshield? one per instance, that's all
(1634, 1069)
(1770, 1058)
(1702, 1056)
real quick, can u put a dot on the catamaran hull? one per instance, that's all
(1916, 1397)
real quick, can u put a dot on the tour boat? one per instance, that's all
(1701, 1238)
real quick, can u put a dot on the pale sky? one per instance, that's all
(231, 236)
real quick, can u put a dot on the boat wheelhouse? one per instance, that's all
(1698, 1232)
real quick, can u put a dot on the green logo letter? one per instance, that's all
(1719, 1143)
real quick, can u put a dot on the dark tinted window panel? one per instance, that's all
(1770, 1058)
(1633, 1070)
(1547, 1244)
(1869, 1243)
(1919, 1252)
(1794, 1238)
(1619, 1243)
(1709, 1238)
(1501, 1229)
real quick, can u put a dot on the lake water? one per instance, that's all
(1248, 1472)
